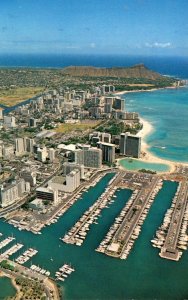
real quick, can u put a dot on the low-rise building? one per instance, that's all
(47, 194)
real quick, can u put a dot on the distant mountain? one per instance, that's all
(136, 71)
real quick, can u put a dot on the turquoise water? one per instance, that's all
(144, 275)
(6, 288)
(134, 164)
(167, 110)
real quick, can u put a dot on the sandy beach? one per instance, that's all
(147, 156)
(134, 91)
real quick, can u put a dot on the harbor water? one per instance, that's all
(144, 275)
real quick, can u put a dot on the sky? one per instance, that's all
(130, 27)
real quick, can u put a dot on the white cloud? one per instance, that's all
(158, 45)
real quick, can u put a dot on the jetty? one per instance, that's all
(78, 232)
(11, 250)
(171, 237)
(27, 255)
(127, 226)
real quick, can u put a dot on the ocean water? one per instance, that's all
(135, 164)
(167, 111)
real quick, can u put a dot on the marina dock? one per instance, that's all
(123, 233)
(172, 236)
(78, 232)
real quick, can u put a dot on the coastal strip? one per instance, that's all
(146, 155)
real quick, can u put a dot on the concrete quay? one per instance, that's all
(123, 233)
(172, 236)
(78, 232)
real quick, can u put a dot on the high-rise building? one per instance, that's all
(133, 147)
(29, 143)
(73, 180)
(9, 121)
(93, 158)
(106, 89)
(12, 192)
(108, 152)
(19, 146)
(8, 151)
(119, 104)
(105, 137)
(123, 143)
(78, 156)
(29, 176)
(32, 122)
(89, 157)
(42, 154)
(51, 154)
(23, 145)
(116, 140)
(130, 145)
(65, 184)
(1, 113)
(70, 166)
(47, 194)
(1, 150)
(132, 116)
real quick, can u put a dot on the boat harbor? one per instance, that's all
(171, 237)
(127, 226)
(78, 232)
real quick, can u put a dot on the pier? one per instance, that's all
(27, 255)
(6, 241)
(123, 233)
(11, 250)
(78, 232)
(172, 236)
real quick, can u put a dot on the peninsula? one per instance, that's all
(17, 85)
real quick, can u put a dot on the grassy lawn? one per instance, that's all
(16, 95)
(66, 128)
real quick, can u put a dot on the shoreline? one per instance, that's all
(146, 155)
(136, 91)
(149, 90)
(13, 282)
